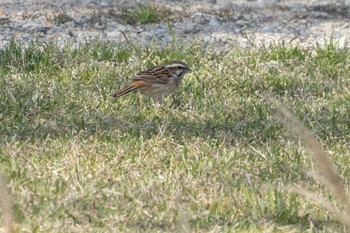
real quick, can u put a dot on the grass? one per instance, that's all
(145, 14)
(214, 158)
(61, 18)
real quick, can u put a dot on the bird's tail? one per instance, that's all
(124, 91)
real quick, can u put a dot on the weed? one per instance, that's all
(144, 14)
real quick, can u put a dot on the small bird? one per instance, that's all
(157, 82)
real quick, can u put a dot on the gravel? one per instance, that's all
(72, 22)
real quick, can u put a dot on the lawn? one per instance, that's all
(216, 156)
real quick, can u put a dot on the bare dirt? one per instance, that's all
(74, 22)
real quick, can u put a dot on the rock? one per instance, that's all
(214, 22)
(242, 22)
(42, 29)
(32, 26)
(81, 20)
(113, 34)
(105, 4)
(319, 14)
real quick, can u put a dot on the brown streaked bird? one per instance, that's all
(157, 82)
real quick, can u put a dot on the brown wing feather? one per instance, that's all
(156, 75)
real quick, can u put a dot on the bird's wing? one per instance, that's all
(156, 75)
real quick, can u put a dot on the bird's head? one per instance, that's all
(178, 67)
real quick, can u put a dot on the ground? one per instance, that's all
(304, 22)
(255, 139)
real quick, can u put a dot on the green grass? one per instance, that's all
(61, 18)
(215, 157)
(145, 14)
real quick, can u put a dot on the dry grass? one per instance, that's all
(329, 177)
(6, 207)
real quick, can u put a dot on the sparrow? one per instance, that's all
(157, 82)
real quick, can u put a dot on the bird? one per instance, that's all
(157, 82)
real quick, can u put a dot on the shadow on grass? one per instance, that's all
(180, 129)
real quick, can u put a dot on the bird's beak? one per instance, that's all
(188, 70)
